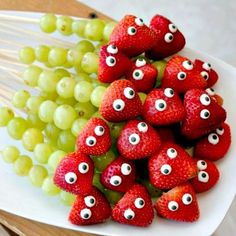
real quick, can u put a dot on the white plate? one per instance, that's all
(17, 196)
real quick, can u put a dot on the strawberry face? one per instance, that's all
(214, 96)
(163, 107)
(138, 140)
(91, 208)
(120, 102)
(135, 208)
(169, 40)
(119, 175)
(170, 167)
(95, 137)
(75, 174)
(180, 204)
(132, 36)
(181, 75)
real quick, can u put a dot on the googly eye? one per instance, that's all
(181, 75)
(187, 199)
(140, 62)
(112, 49)
(118, 105)
(70, 177)
(129, 93)
(131, 30)
(166, 169)
(205, 114)
(173, 28)
(139, 203)
(110, 61)
(220, 131)
(205, 99)
(83, 168)
(85, 213)
(91, 141)
(115, 180)
(168, 37)
(89, 201)
(172, 153)
(213, 138)
(126, 169)
(205, 75)
(139, 21)
(188, 65)
(99, 130)
(160, 105)
(142, 127)
(137, 74)
(206, 66)
(201, 165)
(203, 176)
(169, 92)
(129, 214)
(173, 206)
(134, 139)
(210, 91)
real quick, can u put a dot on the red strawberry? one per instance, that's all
(138, 140)
(203, 114)
(208, 175)
(74, 174)
(120, 102)
(180, 204)
(135, 208)
(214, 96)
(171, 166)
(181, 75)
(214, 146)
(143, 75)
(169, 39)
(166, 135)
(119, 175)
(113, 64)
(163, 107)
(132, 36)
(206, 72)
(91, 208)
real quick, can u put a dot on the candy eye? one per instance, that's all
(140, 62)
(173, 28)
(166, 169)
(139, 203)
(132, 30)
(173, 206)
(91, 141)
(220, 131)
(205, 114)
(210, 91)
(99, 130)
(85, 214)
(115, 180)
(129, 214)
(90, 201)
(203, 176)
(137, 74)
(213, 138)
(188, 65)
(181, 75)
(205, 75)
(206, 66)
(83, 168)
(187, 199)
(172, 153)
(118, 105)
(160, 105)
(129, 93)
(205, 99)
(139, 21)
(142, 127)
(134, 139)
(70, 177)
(169, 37)
(169, 92)
(201, 165)
(112, 49)
(126, 169)
(110, 61)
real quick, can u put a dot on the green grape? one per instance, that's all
(74, 57)
(27, 55)
(42, 151)
(97, 83)
(41, 53)
(51, 131)
(31, 138)
(67, 198)
(22, 165)
(49, 187)
(57, 56)
(94, 29)
(84, 46)
(112, 196)
(78, 125)
(160, 66)
(37, 175)
(67, 101)
(98, 47)
(65, 87)
(85, 109)
(108, 30)
(61, 73)
(97, 183)
(16, 127)
(97, 114)
(64, 25)
(82, 91)
(6, 114)
(31, 75)
(47, 81)
(48, 96)
(47, 110)
(78, 27)
(142, 97)
(154, 192)
(48, 23)
(96, 95)
(115, 129)
(35, 122)
(20, 98)
(89, 63)
(33, 104)
(55, 158)
(82, 77)
(10, 154)
(66, 141)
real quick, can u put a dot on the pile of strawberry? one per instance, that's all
(183, 111)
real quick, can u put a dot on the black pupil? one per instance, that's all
(133, 30)
(206, 114)
(112, 61)
(182, 75)
(205, 76)
(92, 200)
(128, 168)
(220, 129)
(171, 92)
(203, 163)
(136, 73)
(172, 150)
(86, 215)
(188, 199)
(143, 124)
(212, 90)
(209, 64)
(84, 167)
(91, 142)
(71, 179)
(113, 46)
(174, 208)
(170, 37)
(141, 19)
(141, 202)
(116, 182)
(214, 136)
(207, 98)
(166, 171)
(118, 106)
(189, 62)
(173, 26)
(203, 175)
(100, 129)
(161, 105)
(131, 92)
(129, 217)
(133, 139)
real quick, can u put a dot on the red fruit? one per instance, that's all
(143, 75)
(120, 102)
(74, 174)
(163, 107)
(180, 204)
(113, 64)
(95, 138)
(132, 36)
(169, 40)
(214, 96)
(214, 146)
(166, 135)
(171, 166)
(135, 208)
(203, 114)
(138, 140)
(92, 208)
(181, 75)
(119, 175)
(207, 177)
